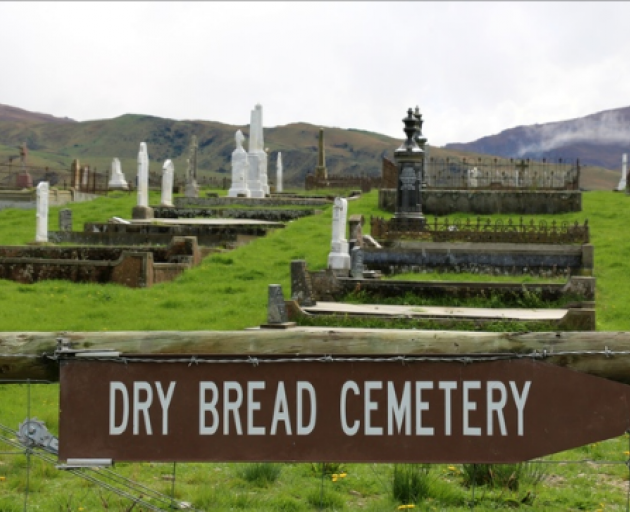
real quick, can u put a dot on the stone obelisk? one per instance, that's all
(142, 209)
(321, 173)
(279, 173)
(624, 173)
(257, 182)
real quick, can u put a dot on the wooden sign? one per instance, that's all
(438, 412)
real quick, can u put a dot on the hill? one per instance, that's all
(597, 140)
(55, 142)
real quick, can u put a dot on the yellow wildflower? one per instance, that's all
(342, 475)
(3, 478)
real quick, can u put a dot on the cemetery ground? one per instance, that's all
(229, 292)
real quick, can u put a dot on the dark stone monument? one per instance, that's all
(65, 220)
(356, 258)
(277, 316)
(321, 172)
(301, 286)
(409, 158)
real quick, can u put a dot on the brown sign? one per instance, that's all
(495, 411)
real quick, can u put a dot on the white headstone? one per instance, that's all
(339, 258)
(41, 233)
(624, 172)
(117, 179)
(279, 170)
(168, 171)
(143, 175)
(472, 177)
(240, 169)
(257, 181)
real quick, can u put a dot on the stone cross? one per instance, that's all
(41, 233)
(168, 171)
(624, 173)
(143, 175)
(240, 169)
(279, 173)
(338, 258)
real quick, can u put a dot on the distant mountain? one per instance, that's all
(54, 142)
(8, 113)
(597, 140)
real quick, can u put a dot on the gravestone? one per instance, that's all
(321, 172)
(168, 172)
(65, 220)
(301, 286)
(279, 170)
(357, 267)
(75, 174)
(338, 258)
(240, 169)
(276, 308)
(142, 209)
(117, 179)
(257, 182)
(624, 173)
(41, 233)
(356, 228)
(192, 189)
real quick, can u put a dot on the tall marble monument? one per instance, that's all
(117, 178)
(257, 181)
(240, 169)
(41, 232)
(339, 257)
(142, 209)
(168, 172)
(624, 173)
(279, 170)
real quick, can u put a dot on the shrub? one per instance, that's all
(260, 474)
(410, 483)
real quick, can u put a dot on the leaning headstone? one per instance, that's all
(257, 181)
(356, 257)
(279, 173)
(117, 180)
(338, 258)
(168, 171)
(41, 233)
(624, 173)
(142, 209)
(240, 169)
(65, 220)
(301, 287)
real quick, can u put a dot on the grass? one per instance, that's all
(229, 291)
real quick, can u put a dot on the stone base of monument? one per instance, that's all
(118, 186)
(282, 325)
(142, 212)
(407, 224)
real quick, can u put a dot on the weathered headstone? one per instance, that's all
(240, 169)
(355, 224)
(321, 172)
(257, 181)
(41, 233)
(75, 174)
(142, 209)
(301, 287)
(192, 189)
(624, 173)
(357, 267)
(117, 179)
(279, 170)
(276, 308)
(168, 172)
(338, 258)
(65, 220)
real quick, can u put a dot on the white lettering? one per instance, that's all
(252, 406)
(349, 431)
(165, 402)
(232, 406)
(205, 407)
(496, 407)
(142, 406)
(303, 430)
(370, 406)
(400, 411)
(520, 402)
(422, 406)
(447, 386)
(116, 430)
(469, 405)
(280, 411)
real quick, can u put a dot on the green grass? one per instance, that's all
(229, 291)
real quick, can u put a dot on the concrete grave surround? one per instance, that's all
(117, 179)
(279, 170)
(41, 234)
(240, 169)
(624, 173)
(168, 172)
(257, 182)
(338, 258)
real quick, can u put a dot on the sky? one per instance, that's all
(473, 68)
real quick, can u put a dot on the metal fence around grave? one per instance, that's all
(486, 231)
(501, 174)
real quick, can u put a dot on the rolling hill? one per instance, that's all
(55, 142)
